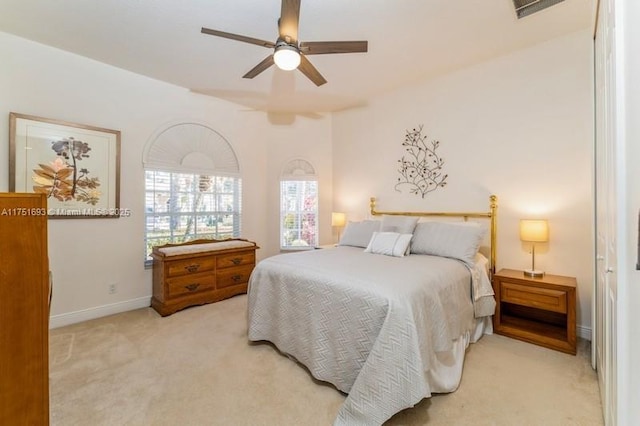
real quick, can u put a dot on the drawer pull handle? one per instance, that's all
(236, 278)
(192, 268)
(236, 260)
(192, 287)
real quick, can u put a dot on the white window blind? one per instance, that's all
(298, 206)
(193, 187)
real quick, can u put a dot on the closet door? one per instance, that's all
(606, 294)
(24, 310)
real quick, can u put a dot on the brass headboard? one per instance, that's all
(491, 215)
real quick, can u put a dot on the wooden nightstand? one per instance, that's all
(537, 310)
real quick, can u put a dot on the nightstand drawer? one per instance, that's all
(534, 297)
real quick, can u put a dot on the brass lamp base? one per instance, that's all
(533, 274)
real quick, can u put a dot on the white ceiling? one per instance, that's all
(409, 40)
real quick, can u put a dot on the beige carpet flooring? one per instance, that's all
(196, 367)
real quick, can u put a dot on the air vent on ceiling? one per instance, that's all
(528, 7)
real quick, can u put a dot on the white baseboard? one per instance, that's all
(61, 320)
(584, 332)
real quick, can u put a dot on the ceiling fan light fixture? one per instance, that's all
(286, 57)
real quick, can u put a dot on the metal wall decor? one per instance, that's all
(421, 167)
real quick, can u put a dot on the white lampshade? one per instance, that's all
(338, 219)
(286, 57)
(534, 230)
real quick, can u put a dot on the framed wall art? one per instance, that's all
(75, 165)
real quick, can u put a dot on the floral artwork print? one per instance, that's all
(421, 167)
(63, 179)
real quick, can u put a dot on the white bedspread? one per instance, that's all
(388, 331)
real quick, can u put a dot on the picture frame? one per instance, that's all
(77, 166)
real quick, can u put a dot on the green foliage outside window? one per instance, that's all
(180, 207)
(299, 211)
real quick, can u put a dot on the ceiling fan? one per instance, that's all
(288, 53)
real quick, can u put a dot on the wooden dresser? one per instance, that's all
(199, 272)
(24, 310)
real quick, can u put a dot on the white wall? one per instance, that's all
(629, 283)
(519, 126)
(88, 254)
(311, 141)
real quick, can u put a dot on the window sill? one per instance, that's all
(298, 248)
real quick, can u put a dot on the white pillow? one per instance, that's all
(358, 234)
(389, 244)
(448, 239)
(399, 224)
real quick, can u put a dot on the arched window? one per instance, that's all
(298, 206)
(192, 186)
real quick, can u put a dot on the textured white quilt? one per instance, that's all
(388, 331)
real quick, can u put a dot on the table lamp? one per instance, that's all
(534, 231)
(338, 220)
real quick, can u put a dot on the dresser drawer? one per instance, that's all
(233, 276)
(236, 259)
(190, 266)
(534, 297)
(190, 284)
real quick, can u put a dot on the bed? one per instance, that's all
(386, 324)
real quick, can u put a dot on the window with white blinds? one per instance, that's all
(193, 187)
(298, 206)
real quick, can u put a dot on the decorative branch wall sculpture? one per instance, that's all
(421, 167)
